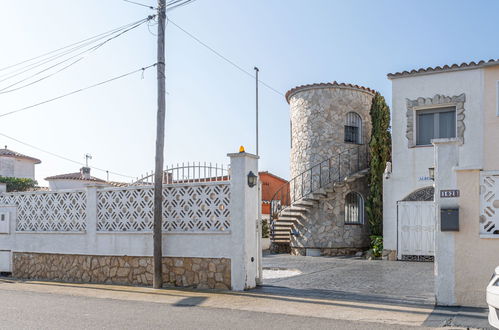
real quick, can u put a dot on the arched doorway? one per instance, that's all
(416, 221)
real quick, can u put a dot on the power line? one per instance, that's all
(175, 4)
(65, 158)
(170, 5)
(100, 36)
(77, 91)
(140, 4)
(88, 51)
(224, 58)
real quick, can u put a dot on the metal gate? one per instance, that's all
(416, 231)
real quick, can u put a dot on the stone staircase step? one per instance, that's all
(282, 241)
(295, 208)
(304, 203)
(283, 218)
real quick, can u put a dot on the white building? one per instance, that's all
(16, 165)
(445, 122)
(75, 180)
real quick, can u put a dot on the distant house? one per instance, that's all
(75, 180)
(270, 185)
(16, 165)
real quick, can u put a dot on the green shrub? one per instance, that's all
(18, 184)
(265, 229)
(376, 245)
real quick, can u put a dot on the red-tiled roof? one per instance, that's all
(445, 68)
(10, 153)
(75, 176)
(326, 85)
(273, 175)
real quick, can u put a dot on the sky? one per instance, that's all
(210, 103)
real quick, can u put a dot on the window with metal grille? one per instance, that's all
(353, 128)
(354, 208)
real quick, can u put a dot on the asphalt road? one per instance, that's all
(34, 310)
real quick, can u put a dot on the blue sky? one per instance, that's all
(210, 104)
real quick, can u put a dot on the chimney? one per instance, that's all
(85, 172)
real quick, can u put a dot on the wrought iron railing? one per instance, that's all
(189, 173)
(318, 176)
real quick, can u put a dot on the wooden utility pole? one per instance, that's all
(160, 141)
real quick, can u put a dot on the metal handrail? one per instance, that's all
(316, 177)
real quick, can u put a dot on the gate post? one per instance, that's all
(244, 213)
(446, 158)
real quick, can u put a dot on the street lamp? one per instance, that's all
(431, 173)
(252, 178)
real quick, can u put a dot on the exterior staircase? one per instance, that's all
(291, 203)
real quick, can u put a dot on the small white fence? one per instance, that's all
(200, 220)
(48, 211)
(193, 208)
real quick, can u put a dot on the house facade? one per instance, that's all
(440, 189)
(17, 165)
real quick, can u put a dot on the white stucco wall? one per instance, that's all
(63, 184)
(17, 168)
(410, 165)
(240, 244)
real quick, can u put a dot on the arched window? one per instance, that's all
(353, 128)
(354, 208)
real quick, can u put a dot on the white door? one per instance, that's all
(416, 230)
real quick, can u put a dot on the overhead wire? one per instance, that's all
(65, 158)
(86, 52)
(89, 39)
(77, 91)
(223, 57)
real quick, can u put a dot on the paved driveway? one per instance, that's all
(351, 278)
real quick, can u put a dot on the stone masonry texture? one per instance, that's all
(318, 118)
(202, 273)
(324, 226)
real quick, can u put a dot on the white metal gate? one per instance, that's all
(416, 231)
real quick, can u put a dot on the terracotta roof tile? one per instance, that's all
(75, 176)
(326, 85)
(10, 153)
(437, 69)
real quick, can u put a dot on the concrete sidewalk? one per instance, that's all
(258, 301)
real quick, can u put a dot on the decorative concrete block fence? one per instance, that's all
(104, 235)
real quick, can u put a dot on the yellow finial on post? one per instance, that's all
(241, 149)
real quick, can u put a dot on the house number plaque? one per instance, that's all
(449, 193)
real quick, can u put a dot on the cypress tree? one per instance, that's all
(380, 152)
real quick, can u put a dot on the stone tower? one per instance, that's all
(330, 132)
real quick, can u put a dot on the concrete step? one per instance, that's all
(304, 203)
(283, 218)
(295, 208)
(282, 241)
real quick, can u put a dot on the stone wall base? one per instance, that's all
(390, 255)
(203, 273)
(299, 251)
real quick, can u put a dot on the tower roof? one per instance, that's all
(292, 91)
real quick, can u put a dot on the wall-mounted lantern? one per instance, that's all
(252, 178)
(431, 173)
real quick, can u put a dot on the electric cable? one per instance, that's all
(87, 51)
(223, 57)
(65, 158)
(77, 91)
(100, 36)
